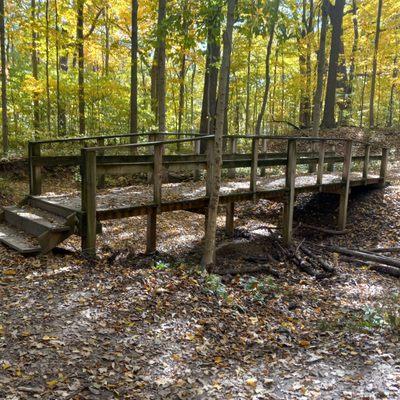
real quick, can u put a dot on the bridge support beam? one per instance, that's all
(288, 206)
(344, 195)
(151, 233)
(88, 199)
(229, 221)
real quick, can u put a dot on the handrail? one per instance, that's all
(147, 144)
(121, 135)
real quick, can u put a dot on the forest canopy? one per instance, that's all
(68, 65)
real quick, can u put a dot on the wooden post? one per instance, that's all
(290, 187)
(344, 195)
(321, 161)
(35, 171)
(254, 165)
(151, 240)
(264, 151)
(229, 221)
(197, 151)
(384, 163)
(367, 150)
(88, 199)
(312, 167)
(232, 150)
(331, 165)
(101, 182)
(210, 166)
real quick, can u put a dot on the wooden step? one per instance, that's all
(18, 240)
(31, 221)
(57, 209)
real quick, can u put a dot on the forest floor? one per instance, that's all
(131, 326)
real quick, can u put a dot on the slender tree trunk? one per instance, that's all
(392, 90)
(3, 79)
(134, 71)
(248, 86)
(181, 106)
(363, 98)
(107, 35)
(261, 114)
(58, 94)
(81, 67)
(209, 239)
(320, 71)
(209, 104)
(336, 16)
(48, 114)
(375, 65)
(192, 95)
(162, 9)
(354, 50)
(35, 73)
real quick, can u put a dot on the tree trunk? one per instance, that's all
(392, 90)
(192, 96)
(81, 67)
(274, 16)
(248, 86)
(209, 239)
(336, 16)
(3, 80)
(320, 71)
(133, 125)
(161, 112)
(107, 37)
(209, 104)
(375, 65)
(363, 97)
(35, 74)
(48, 113)
(354, 50)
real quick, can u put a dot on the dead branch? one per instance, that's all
(323, 230)
(319, 261)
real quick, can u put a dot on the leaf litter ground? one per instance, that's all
(132, 326)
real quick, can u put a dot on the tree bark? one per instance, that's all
(209, 239)
(133, 124)
(392, 90)
(161, 111)
(375, 65)
(320, 71)
(209, 103)
(274, 15)
(35, 73)
(336, 16)
(3, 80)
(81, 67)
(48, 103)
(354, 50)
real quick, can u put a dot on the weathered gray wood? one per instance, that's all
(151, 233)
(157, 173)
(18, 241)
(344, 196)
(101, 178)
(321, 162)
(384, 163)
(88, 198)
(331, 164)
(312, 167)
(210, 166)
(288, 205)
(229, 221)
(367, 153)
(197, 152)
(232, 151)
(254, 165)
(35, 171)
(263, 152)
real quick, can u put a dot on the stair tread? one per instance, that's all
(41, 217)
(18, 240)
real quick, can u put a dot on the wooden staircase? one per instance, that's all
(32, 229)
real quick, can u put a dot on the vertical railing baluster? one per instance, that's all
(321, 162)
(35, 171)
(346, 178)
(254, 165)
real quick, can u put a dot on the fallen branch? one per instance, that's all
(265, 268)
(363, 256)
(387, 250)
(323, 264)
(323, 230)
(385, 269)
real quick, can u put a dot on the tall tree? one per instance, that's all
(35, 70)
(209, 104)
(375, 65)
(134, 71)
(271, 31)
(336, 16)
(161, 60)
(48, 104)
(81, 66)
(209, 239)
(320, 70)
(4, 108)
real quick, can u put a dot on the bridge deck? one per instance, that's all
(136, 200)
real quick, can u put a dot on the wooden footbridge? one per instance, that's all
(251, 166)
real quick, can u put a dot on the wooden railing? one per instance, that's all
(95, 162)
